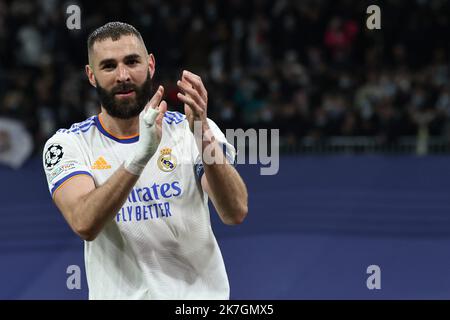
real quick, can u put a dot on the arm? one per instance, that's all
(86, 208)
(221, 181)
(224, 186)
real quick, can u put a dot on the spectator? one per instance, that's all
(309, 68)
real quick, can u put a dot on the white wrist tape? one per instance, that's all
(147, 145)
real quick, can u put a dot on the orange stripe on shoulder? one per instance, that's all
(62, 184)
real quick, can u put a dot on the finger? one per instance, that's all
(192, 75)
(188, 111)
(193, 79)
(187, 88)
(162, 110)
(196, 82)
(156, 99)
(150, 117)
(157, 96)
(190, 102)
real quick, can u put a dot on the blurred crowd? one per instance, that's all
(310, 68)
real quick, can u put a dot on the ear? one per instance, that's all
(151, 64)
(90, 75)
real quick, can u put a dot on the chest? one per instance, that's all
(171, 162)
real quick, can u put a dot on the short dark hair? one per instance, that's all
(113, 30)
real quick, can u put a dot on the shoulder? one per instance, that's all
(71, 135)
(79, 127)
(174, 118)
(213, 125)
(66, 145)
(175, 122)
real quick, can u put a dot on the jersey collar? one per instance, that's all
(127, 139)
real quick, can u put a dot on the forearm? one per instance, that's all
(221, 181)
(101, 204)
(226, 188)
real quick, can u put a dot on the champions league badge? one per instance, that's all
(167, 161)
(53, 155)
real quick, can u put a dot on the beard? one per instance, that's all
(125, 108)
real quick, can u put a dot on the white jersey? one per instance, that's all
(160, 245)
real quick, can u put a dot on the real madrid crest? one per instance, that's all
(167, 161)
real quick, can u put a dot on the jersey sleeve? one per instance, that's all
(62, 160)
(227, 148)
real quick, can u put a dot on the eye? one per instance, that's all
(132, 62)
(109, 66)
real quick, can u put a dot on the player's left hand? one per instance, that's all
(195, 98)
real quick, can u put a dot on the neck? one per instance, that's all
(120, 128)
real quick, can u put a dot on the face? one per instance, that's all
(121, 71)
(126, 100)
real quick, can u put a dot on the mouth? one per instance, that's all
(125, 94)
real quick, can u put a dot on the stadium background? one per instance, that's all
(364, 122)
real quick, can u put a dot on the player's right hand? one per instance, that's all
(158, 105)
(150, 133)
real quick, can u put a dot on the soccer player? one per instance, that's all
(132, 183)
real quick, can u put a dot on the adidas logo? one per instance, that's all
(101, 164)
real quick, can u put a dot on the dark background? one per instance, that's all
(309, 68)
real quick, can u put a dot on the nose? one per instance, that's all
(123, 74)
